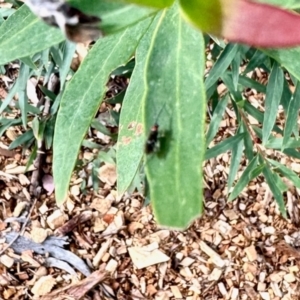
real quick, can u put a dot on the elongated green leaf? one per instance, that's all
(228, 81)
(257, 59)
(288, 173)
(24, 75)
(221, 64)
(170, 46)
(28, 135)
(273, 185)
(216, 119)
(23, 34)
(10, 95)
(276, 143)
(64, 68)
(236, 70)
(224, 146)
(292, 116)
(249, 174)
(258, 115)
(82, 98)
(248, 142)
(273, 96)
(250, 83)
(288, 58)
(236, 156)
(292, 153)
(131, 140)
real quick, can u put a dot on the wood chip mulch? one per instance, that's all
(97, 246)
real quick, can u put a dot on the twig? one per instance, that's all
(21, 232)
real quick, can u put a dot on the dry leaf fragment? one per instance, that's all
(265, 295)
(251, 253)
(143, 258)
(31, 90)
(9, 292)
(215, 257)
(215, 274)
(43, 285)
(99, 225)
(114, 226)
(111, 266)
(134, 226)
(231, 214)
(223, 227)
(101, 205)
(19, 170)
(187, 261)
(27, 256)
(56, 219)
(108, 174)
(38, 235)
(24, 179)
(289, 277)
(176, 292)
(7, 261)
(19, 208)
(75, 190)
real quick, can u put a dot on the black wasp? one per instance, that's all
(153, 141)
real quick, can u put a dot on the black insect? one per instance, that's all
(152, 143)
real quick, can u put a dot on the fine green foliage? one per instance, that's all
(164, 57)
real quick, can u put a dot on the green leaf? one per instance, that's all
(273, 96)
(115, 15)
(216, 119)
(172, 46)
(276, 143)
(224, 146)
(250, 83)
(64, 68)
(23, 100)
(256, 61)
(82, 98)
(258, 115)
(292, 117)
(272, 181)
(251, 172)
(221, 64)
(22, 139)
(229, 82)
(236, 70)
(236, 156)
(152, 3)
(288, 58)
(23, 34)
(248, 142)
(131, 140)
(288, 173)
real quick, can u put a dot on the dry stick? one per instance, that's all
(22, 229)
